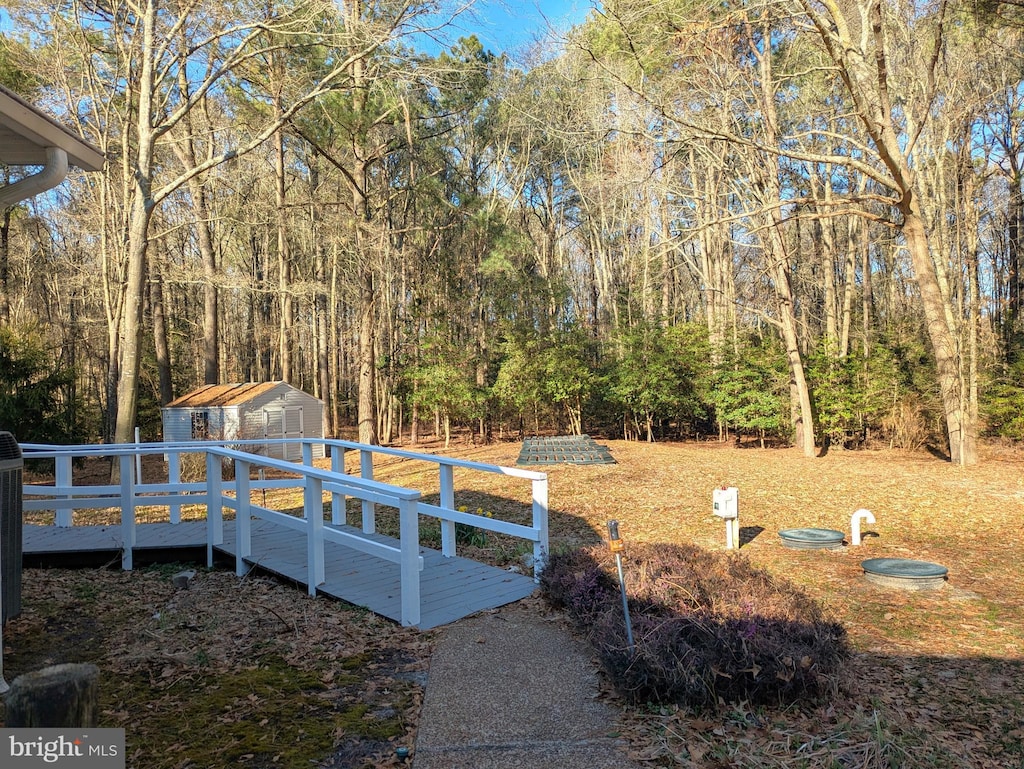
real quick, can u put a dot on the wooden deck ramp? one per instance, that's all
(451, 587)
(316, 548)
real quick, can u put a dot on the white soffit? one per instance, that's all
(26, 133)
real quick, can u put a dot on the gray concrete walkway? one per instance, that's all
(512, 688)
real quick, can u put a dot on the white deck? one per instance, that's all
(450, 587)
(392, 577)
(56, 540)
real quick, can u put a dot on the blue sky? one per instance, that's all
(508, 25)
(501, 25)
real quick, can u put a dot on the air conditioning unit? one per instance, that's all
(11, 468)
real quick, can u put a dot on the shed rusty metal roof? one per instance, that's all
(222, 395)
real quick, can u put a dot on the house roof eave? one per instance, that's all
(26, 133)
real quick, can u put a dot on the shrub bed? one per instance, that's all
(709, 628)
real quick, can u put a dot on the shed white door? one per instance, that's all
(283, 422)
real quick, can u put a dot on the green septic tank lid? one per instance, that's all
(563, 449)
(811, 539)
(904, 568)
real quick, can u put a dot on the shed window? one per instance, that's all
(201, 425)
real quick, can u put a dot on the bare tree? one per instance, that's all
(858, 37)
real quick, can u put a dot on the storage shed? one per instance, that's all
(250, 411)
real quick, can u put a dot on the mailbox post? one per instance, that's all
(727, 507)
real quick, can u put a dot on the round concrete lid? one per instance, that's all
(904, 568)
(812, 535)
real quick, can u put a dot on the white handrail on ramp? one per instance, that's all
(130, 492)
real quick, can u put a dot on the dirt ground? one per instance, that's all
(936, 681)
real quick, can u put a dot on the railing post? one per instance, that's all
(338, 517)
(447, 473)
(214, 506)
(307, 454)
(540, 523)
(138, 456)
(174, 478)
(313, 503)
(369, 508)
(127, 511)
(243, 516)
(409, 528)
(62, 477)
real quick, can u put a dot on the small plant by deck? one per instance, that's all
(709, 628)
(467, 534)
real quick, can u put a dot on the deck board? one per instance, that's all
(450, 588)
(75, 539)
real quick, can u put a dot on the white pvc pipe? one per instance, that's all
(858, 516)
(53, 173)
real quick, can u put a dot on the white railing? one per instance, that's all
(314, 483)
(446, 512)
(63, 497)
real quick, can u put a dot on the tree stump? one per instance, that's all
(60, 696)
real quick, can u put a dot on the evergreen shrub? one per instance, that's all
(709, 628)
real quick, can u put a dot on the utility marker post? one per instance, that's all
(617, 546)
(727, 507)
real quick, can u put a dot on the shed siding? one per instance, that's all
(177, 425)
(217, 431)
(248, 419)
(230, 416)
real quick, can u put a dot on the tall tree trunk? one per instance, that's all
(867, 293)
(367, 415)
(974, 321)
(825, 248)
(211, 294)
(1015, 236)
(186, 152)
(667, 282)
(864, 64)
(969, 228)
(284, 262)
(803, 418)
(336, 345)
(264, 309)
(849, 281)
(361, 214)
(160, 335)
(321, 325)
(960, 430)
(715, 268)
(323, 335)
(778, 254)
(130, 336)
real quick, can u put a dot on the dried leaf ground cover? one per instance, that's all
(936, 679)
(229, 673)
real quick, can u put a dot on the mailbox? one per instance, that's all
(727, 502)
